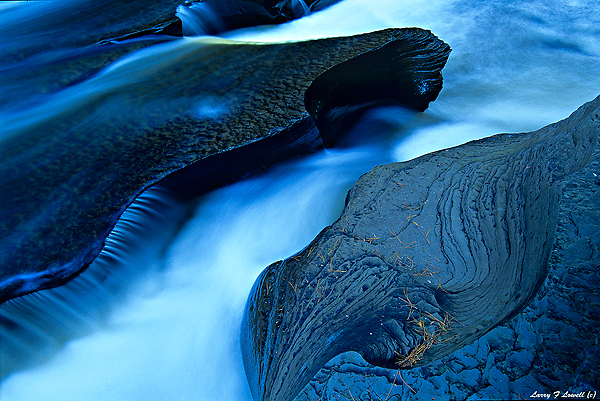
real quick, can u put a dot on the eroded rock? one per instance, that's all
(427, 256)
(61, 45)
(219, 108)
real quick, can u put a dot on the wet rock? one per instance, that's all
(525, 387)
(427, 256)
(466, 362)
(521, 360)
(470, 377)
(218, 108)
(457, 394)
(61, 45)
(499, 382)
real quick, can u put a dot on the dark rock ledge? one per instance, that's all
(218, 110)
(427, 256)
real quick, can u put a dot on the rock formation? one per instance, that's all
(71, 166)
(550, 345)
(427, 256)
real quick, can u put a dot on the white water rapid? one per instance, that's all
(164, 323)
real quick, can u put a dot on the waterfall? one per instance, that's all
(37, 326)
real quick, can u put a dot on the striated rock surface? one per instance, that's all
(72, 165)
(427, 256)
(551, 346)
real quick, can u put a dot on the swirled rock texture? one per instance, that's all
(550, 345)
(427, 256)
(70, 167)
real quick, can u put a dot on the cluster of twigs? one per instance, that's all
(428, 338)
(416, 354)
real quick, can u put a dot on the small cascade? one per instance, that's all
(35, 326)
(157, 315)
(199, 19)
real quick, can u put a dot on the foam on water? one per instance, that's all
(515, 66)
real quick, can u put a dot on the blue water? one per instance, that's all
(165, 325)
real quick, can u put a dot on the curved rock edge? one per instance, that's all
(59, 272)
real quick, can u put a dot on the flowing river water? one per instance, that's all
(157, 316)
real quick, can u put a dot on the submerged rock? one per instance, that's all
(219, 108)
(427, 256)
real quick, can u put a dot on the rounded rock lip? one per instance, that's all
(79, 182)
